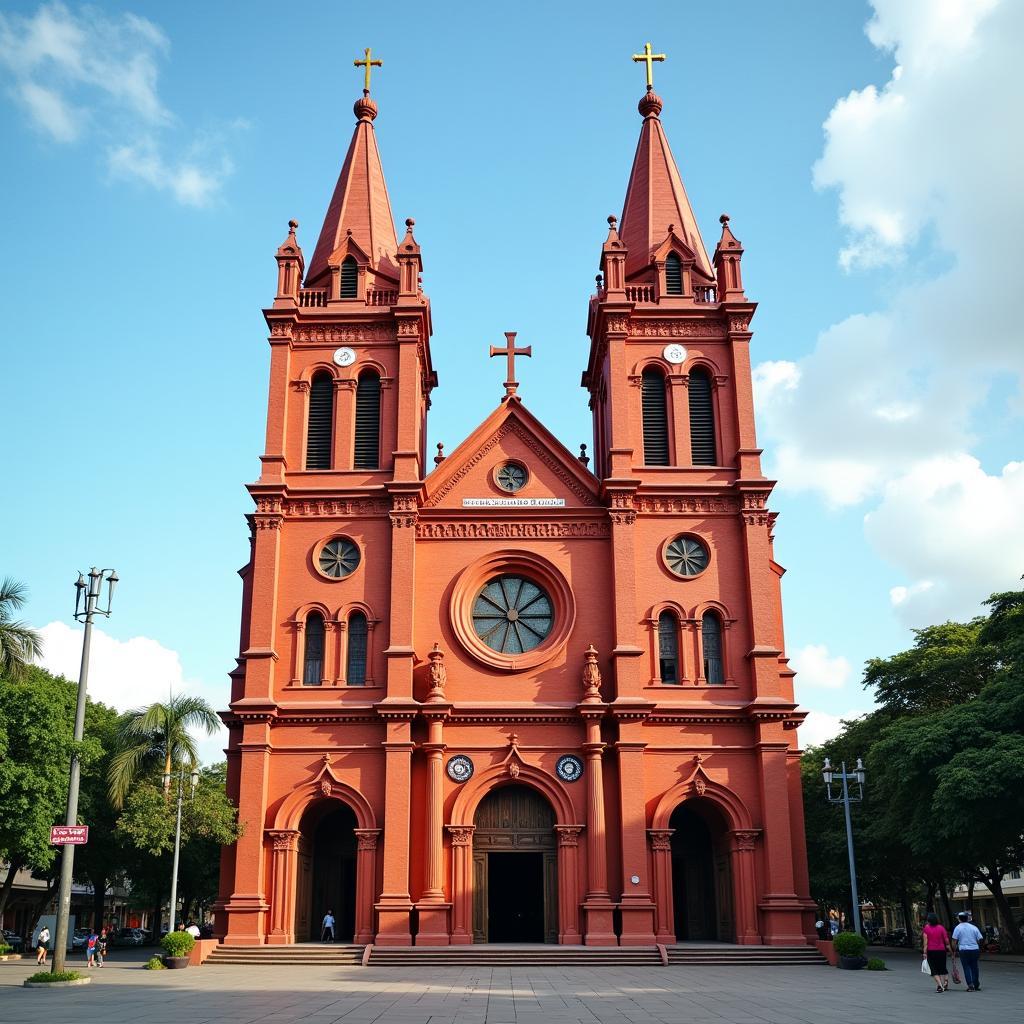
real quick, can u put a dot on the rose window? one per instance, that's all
(686, 556)
(338, 558)
(512, 615)
(511, 477)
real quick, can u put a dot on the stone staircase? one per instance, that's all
(744, 956)
(495, 955)
(310, 954)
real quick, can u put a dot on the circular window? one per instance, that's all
(686, 556)
(511, 477)
(512, 615)
(460, 768)
(338, 558)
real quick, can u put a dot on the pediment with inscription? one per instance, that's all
(475, 476)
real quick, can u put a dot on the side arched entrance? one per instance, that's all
(702, 888)
(326, 872)
(515, 868)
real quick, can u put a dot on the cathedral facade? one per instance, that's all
(513, 693)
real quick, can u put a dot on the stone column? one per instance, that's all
(366, 882)
(282, 898)
(433, 910)
(598, 907)
(462, 883)
(568, 884)
(744, 886)
(395, 904)
(661, 878)
(636, 907)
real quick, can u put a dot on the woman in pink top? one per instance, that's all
(934, 946)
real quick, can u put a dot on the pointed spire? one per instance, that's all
(360, 211)
(290, 264)
(728, 255)
(656, 202)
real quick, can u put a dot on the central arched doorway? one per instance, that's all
(515, 868)
(701, 875)
(327, 872)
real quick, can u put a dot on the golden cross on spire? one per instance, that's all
(647, 57)
(367, 63)
(511, 352)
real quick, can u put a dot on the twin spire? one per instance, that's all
(359, 220)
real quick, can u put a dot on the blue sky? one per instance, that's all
(155, 152)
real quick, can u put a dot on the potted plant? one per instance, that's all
(177, 946)
(850, 946)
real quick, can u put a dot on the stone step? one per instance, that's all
(504, 956)
(308, 954)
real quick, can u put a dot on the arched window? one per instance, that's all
(313, 657)
(355, 665)
(367, 444)
(349, 278)
(655, 417)
(320, 426)
(711, 644)
(668, 647)
(673, 274)
(703, 450)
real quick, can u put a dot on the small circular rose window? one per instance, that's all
(512, 615)
(686, 556)
(511, 477)
(338, 558)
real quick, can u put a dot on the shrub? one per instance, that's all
(4, 948)
(46, 976)
(849, 944)
(154, 964)
(876, 963)
(177, 943)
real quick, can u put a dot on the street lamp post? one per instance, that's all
(179, 776)
(830, 775)
(87, 599)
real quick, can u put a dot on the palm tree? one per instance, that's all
(158, 736)
(19, 644)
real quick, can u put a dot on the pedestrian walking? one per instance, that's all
(101, 947)
(41, 945)
(967, 944)
(90, 948)
(328, 927)
(934, 947)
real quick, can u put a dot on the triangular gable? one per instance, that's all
(511, 431)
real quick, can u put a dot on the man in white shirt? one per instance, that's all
(328, 927)
(967, 945)
(193, 930)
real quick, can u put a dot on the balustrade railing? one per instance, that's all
(312, 297)
(705, 293)
(379, 297)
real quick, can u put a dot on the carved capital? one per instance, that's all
(366, 838)
(660, 838)
(284, 840)
(568, 835)
(264, 522)
(745, 839)
(461, 835)
(302, 386)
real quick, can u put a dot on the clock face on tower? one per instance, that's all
(674, 354)
(344, 356)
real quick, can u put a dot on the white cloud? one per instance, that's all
(125, 674)
(85, 75)
(817, 668)
(927, 176)
(820, 726)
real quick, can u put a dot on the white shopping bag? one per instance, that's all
(925, 969)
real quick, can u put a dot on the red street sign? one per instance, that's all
(76, 835)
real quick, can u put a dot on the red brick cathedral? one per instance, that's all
(513, 694)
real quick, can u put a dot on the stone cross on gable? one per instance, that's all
(510, 351)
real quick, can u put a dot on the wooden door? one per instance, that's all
(479, 896)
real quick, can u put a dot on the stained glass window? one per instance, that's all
(512, 615)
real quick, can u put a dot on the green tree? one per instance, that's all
(19, 644)
(37, 713)
(158, 738)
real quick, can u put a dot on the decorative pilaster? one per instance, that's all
(462, 883)
(433, 910)
(366, 876)
(568, 884)
(598, 906)
(285, 845)
(661, 857)
(744, 886)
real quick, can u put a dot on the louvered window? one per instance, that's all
(355, 668)
(668, 647)
(349, 278)
(655, 417)
(711, 642)
(321, 422)
(367, 447)
(673, 274)
(703, 450)
(313, 658)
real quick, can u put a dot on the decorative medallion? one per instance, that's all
(344, 356)
(338, 558)
(512, 615)
(686, 556)
(569, 768)
(511, 476)
(460, 768)
(674, 354)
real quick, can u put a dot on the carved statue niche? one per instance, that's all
(438, 676)
(591, 677)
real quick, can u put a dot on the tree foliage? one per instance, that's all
(19, 643)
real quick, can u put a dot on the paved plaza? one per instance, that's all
(122, 992)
